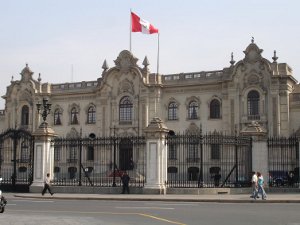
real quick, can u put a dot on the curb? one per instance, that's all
(163, 199)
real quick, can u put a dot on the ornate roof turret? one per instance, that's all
(252, 53)
(125, 61)
(26, 73)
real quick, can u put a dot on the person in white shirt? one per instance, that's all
(254, 184)
(47, 185)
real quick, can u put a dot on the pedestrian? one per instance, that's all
(260, 187)
(291, 178)
(253, 184)
(125, 181)
(47, 185)
(217, 178)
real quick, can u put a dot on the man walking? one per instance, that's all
(47, 185)
(254, 184)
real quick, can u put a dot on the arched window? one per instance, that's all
(215, 109)
(253, 105)
(57, 116)
(74, 116)
(193, 110)
(25, 115)
(172, 111)
(91, 115)
(125, 113)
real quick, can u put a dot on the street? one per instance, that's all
(53, 211)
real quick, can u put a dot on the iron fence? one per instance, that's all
(16, 159)
(99, 161)
(283, 158)
(210, 160)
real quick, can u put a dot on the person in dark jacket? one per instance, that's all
(125, 181)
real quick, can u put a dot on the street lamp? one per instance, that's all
(44, 110)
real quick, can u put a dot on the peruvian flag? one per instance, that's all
(140, 25)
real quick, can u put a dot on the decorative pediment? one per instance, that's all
(25, 95)
(252, 53)
(254, 129)
(26, 73)
(125, 61)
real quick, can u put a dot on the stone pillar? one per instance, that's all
(43, 157)
(260, 159)
(156, 172)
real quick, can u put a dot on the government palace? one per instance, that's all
(125, 98)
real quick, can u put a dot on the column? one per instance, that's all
(156, 172)
(43, 157)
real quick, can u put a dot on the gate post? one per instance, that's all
(156, 156)
(43, 161)
(260, 159)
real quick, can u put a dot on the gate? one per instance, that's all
(210, 160)
(16, 160)
(99, 161)
(283, 154)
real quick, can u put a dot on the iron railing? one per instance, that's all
(210, 160)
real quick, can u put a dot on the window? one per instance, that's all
(22, 169)
(57, 152)
(253, 105)
(25, 115)
(25, 156)
(72, 172)
(90, 153)
(125, 110)
(172, 111)
(57, 116)
(56, 169)
(193, 151)
(193, 110)
(74, 116)
(215, 151)
(91, 115)
(215, 109)
(72, 154)
(172, 151)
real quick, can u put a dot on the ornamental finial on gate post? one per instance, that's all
(44, 110)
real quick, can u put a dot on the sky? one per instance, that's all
(68, 40)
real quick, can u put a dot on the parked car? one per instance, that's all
(278, 178)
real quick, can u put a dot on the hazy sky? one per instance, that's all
(68, 40)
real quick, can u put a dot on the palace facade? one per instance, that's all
(127, 96)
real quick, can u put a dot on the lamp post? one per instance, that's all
(44, 110)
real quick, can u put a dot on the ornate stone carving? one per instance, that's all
(125, 61)
(252, 54)
(126, 87)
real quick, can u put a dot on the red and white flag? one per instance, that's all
(140, 25)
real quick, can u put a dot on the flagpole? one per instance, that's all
(156, 76)
(157, 69)
(130, 29)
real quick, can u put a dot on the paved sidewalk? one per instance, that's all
(226, 198)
